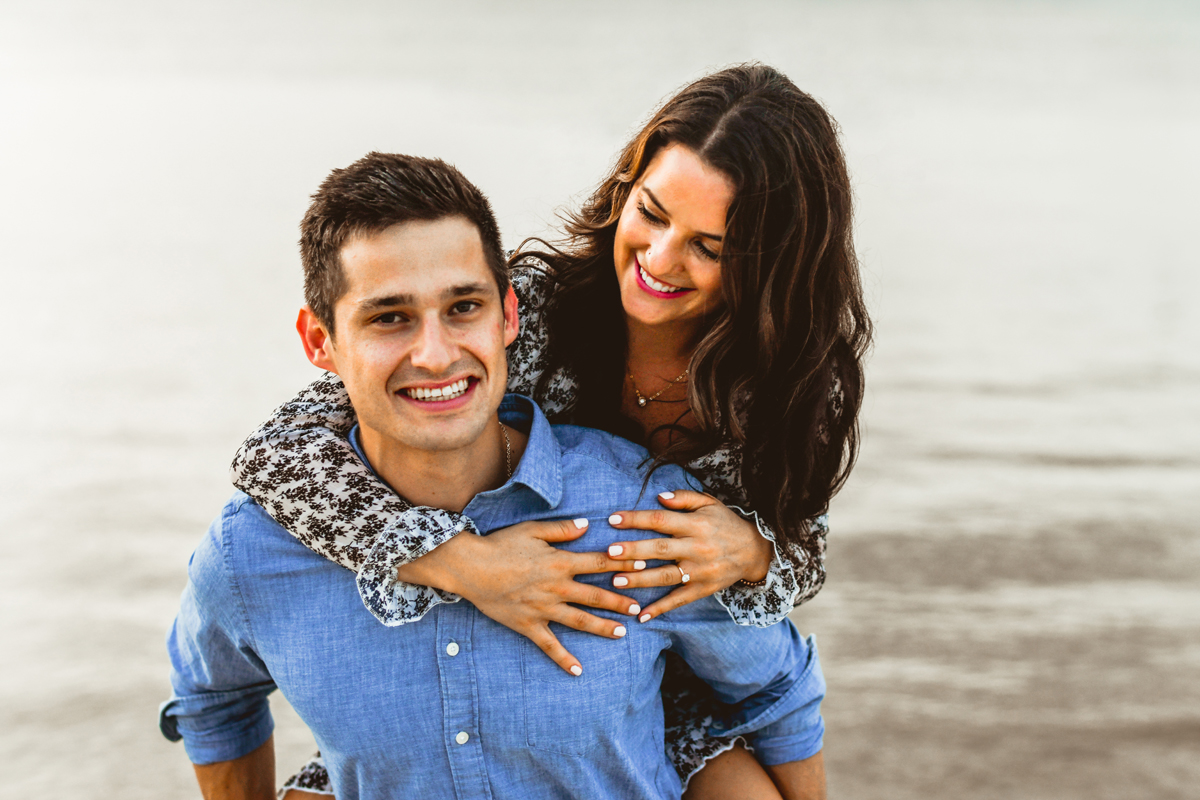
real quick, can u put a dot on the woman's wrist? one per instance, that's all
(443, 567)
(764, 553)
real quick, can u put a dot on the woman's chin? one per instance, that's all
(656, 315)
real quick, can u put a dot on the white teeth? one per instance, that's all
(655, 285)
(456, 389)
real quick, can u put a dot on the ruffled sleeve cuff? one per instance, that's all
(762, 606)
(412, 534)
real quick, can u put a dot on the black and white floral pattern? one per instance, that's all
(301, 468)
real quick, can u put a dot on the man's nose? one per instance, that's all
(434, 351)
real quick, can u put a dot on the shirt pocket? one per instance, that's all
(568, 714)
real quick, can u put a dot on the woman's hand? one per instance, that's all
(709, 543)
(518, 579)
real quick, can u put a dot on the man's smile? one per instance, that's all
(442, 394)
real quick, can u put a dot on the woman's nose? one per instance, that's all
(662, 257)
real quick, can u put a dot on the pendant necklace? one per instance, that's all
(642, 400)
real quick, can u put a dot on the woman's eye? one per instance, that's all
(707, 252)
(647, 215)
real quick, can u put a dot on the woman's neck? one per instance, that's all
(660, 348)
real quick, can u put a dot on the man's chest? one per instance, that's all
(402, 698)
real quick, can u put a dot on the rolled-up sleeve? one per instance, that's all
(791, 728)
(219, 685)
(771, 676)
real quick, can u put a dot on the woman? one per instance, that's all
(706, 303)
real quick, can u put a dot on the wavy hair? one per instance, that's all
(779, 370)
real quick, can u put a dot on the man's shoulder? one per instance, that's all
(243, 514)
(248, 537)
(624, 460)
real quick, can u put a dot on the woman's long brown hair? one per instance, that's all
(779, 370)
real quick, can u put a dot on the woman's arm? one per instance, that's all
(301, 469)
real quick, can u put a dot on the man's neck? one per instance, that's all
(446, 479)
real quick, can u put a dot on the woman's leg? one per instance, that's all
(733, 773)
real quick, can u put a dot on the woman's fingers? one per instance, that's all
(672, 600)
(548, 643)
(666, 575)
(684, 500)
(672, 521)
(594, 597)
(581, 620)
(559, 530)
(593, 563)
(650, 550)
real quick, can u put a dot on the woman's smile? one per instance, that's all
(658, 288)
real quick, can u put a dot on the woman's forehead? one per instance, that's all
(687, 189)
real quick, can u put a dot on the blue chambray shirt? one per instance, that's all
(456, 705)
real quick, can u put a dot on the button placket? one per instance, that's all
(460, 701)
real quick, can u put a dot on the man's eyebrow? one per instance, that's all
(393, 300)
(712, 236)
(465, 289)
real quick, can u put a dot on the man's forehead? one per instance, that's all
(415, 263)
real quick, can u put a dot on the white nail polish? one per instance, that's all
(635, 608)
(619, 631)
(621, 581)
(576, 670)
(615, 519)
(580, 523)
(639, 565)
(643, 617)
(667, 495)
(616, 550)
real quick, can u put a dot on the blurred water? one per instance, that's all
(1013, 606)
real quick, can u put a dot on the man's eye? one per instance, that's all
(390, 319)
(464, 307)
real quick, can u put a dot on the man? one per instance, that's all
(409, 303)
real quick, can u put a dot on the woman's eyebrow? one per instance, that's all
(650, 194)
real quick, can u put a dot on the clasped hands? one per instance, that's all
(518, 578)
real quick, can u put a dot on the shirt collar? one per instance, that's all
(540, 467)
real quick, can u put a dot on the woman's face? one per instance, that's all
(668, 240)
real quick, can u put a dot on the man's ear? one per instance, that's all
(318, 344)
(512, 323)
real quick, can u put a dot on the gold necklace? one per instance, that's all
(507, 452)
(642, 399)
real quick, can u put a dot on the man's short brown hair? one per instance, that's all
(375, 193)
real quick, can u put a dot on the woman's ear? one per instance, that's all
(317, 341)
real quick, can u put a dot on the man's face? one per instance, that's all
(420, 335)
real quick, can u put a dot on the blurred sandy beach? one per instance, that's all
(1013, 604)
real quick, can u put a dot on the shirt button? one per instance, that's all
(462, 737)
(452, 650)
